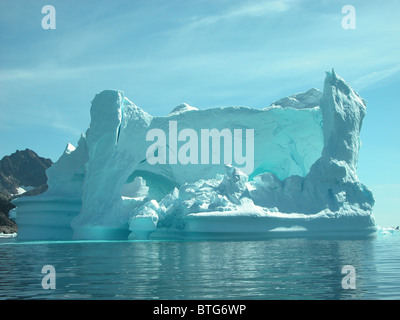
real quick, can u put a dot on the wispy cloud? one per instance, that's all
(66, 128)
(39, 116)
(376, 76)
(249, 10)
(47, 73)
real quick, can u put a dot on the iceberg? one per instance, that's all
(229, 172)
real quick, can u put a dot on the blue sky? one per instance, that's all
(206, 53)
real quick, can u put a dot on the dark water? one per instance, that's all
(272, 269)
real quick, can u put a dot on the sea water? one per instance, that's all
(297, 268)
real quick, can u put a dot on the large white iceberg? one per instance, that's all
(233, 172)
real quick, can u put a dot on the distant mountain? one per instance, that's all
(22, 173)
(22, 169)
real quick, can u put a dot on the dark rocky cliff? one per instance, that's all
(20, 169)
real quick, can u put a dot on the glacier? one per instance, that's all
(300, 178)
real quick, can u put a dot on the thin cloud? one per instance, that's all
(43, 116)
(376, 76)
(58, 72)
(249, 10)
(66, 128)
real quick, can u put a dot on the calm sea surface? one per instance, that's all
(270, 269)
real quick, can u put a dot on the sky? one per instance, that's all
(206, 53)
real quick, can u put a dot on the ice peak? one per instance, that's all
(69, 148)
(308, 99)
(183, 108)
